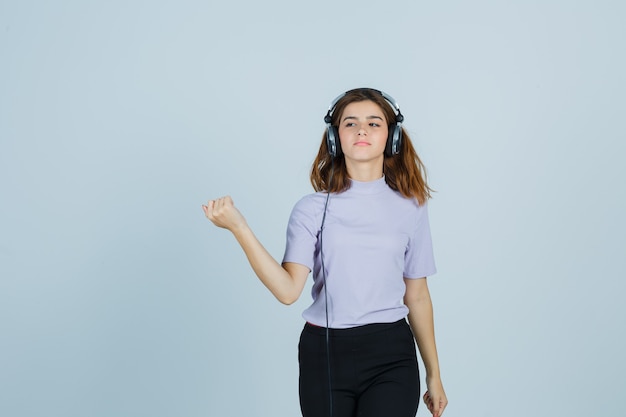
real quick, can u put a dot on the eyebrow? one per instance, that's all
(367, 118)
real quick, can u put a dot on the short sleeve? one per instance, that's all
(419, 260)
(302, 231)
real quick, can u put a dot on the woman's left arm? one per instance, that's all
(417, 299)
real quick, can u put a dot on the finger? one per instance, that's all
(439, 404)
(222, 204)
(208, 209)
(428, 401)
(226, 202)
(442, 406)
(434, 401)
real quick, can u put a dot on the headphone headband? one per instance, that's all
(387, 97)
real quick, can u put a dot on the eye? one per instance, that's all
(350, 124)
(374, 124)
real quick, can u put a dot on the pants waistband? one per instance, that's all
(353, 331)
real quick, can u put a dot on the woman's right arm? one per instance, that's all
(285, 281)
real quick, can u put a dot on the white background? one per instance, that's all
(119, 119)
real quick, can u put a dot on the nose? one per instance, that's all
(362, 131)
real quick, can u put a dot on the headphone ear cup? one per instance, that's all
(332, 142)
(394, 140)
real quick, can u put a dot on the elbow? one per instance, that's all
(287, 299)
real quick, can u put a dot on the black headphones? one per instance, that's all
(394, 138)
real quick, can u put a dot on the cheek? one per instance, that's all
(382, 138)
(343, 135)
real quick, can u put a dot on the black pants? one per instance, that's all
(373, 371)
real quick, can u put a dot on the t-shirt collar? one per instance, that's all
(368, 187)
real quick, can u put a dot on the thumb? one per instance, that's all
(208, 207)
(428, 401)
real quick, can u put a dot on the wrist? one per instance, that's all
(432, 369)
(433, 379)
(240, 230)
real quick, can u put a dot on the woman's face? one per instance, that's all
(363, 132)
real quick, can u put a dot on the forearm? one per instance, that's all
(417, 299)
(270, 272)
(422, 324)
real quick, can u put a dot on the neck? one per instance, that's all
(364, 172)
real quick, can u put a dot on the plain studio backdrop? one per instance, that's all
(119, 119)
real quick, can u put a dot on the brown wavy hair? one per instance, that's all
(404, 172)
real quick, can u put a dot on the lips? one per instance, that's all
(361, 143)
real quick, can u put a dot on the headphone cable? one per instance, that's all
(330, 392)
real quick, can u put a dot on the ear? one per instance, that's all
(394, 139)
(332, 141)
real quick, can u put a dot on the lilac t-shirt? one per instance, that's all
(373, 238)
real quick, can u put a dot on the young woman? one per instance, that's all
(365, 236)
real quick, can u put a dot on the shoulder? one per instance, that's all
(311, 201)
(309, 206)
(408, 203)
(408, 208)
